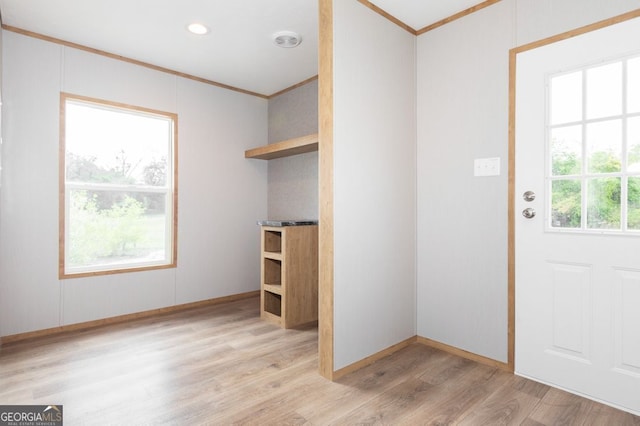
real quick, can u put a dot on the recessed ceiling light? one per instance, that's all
(197, 28)
(286, 39)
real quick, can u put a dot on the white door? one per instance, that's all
(578, 259)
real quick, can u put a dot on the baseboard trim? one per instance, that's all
(13, 338)
(423, 341)
(373, 358)
(464, 354)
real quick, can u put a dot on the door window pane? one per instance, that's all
(633, 199)
(566, 150)
(633, 85)
(604, 91)
(566, 202)
(604, 146)
(603, 205)
(633, 144)
(566, 98)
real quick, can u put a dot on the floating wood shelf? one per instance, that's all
(286, 148)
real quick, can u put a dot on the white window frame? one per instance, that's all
(169, 189)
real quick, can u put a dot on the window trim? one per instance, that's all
(62, 199)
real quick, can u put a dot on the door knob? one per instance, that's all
(529, 196)
(529, 213)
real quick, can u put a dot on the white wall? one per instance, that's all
(462, 115)
(374, 183)
(462, 219)
(221, 195)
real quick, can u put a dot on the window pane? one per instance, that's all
(604, 146)
(566, 197)
(633, 85)
(604, 91)
(107, 146)
(566, 98)
(108, 227)
(633, 144)
(633, 199)
(566, 150)
(603, 205)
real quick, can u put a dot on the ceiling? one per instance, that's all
(238, 51)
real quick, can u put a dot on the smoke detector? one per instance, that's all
(286, 39)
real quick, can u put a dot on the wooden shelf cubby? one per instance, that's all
(289, 275)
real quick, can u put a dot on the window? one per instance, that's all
(593, 148)
(118, 197)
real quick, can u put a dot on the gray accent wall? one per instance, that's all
(293, 181)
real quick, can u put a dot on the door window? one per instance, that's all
(593, 148)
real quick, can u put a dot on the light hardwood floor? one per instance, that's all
(222, 365)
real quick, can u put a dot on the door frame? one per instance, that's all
(511, 214)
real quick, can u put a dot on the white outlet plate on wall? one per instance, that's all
(486, 166)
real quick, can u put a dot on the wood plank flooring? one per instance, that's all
(221, 365)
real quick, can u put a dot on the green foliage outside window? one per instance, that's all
(100, 234)
(604, 193)
(108, 225)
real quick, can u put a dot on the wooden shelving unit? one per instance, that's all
(289, 275)
(286, 148)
